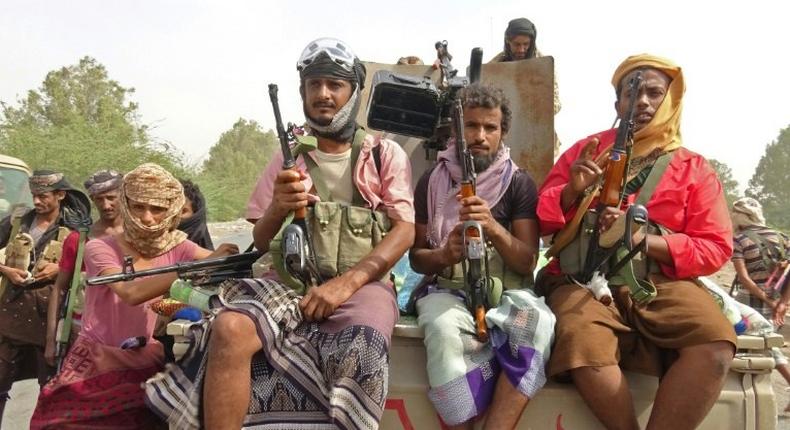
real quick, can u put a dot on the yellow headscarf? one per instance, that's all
(663, 131)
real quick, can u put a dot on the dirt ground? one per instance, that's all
(24, 393)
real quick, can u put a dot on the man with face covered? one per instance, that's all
(100, 382)
(36, 233)
(680, 335)
(321, 359)
(469, 378)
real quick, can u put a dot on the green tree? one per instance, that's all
(729, 183)
(80, 121)
(770, 184)
(234, 164)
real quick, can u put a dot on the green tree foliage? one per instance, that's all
(80, 121)
(229, 174)
(729, 183)
(770, 184)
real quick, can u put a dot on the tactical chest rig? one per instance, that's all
(20, 253)
(341, 234)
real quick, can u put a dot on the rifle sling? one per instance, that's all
(642, 291)
(318, 178)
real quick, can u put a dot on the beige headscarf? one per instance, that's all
(153, 185)
(747, 212)
(663, 131)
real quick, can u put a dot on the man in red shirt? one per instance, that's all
(681, 335)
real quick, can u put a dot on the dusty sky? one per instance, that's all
(198, 66)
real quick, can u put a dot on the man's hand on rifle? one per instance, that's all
(224, 250)
(47, 273)
(321, 302)
(454, 247)
(476, 209)
(289, 193)
(584, 173)
(607, 219)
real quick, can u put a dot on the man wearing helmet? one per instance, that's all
(318, 355)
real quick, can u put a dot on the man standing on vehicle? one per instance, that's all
(520, 44)
(321, 359)
(681, 334)
(27, 282)
(464, 373)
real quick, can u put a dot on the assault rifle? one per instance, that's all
(475, 259)
(202, 272)
(297, 247)
(66, 311)
(601, 249)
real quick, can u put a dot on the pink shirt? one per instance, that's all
(388, 190)
(106, 318)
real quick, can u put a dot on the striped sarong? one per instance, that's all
(462, 371)
(308, 375)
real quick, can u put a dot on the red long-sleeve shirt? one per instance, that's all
(688, 200)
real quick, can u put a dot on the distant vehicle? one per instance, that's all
(14, 187)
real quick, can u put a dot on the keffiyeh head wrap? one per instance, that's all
(152, 185)
(663, 131)
(747, 212)
(44, 181)
(520, 27)
(103, 181)
(75, 208)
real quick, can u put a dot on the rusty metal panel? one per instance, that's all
(530, 87)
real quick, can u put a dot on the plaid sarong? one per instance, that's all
(462, 371)
(308, 375)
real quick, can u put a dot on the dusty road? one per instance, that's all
(24, 393)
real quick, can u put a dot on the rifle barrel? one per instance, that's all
(288, 159)
(475, 65)
(180, 268)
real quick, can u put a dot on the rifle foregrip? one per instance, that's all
(480, 323)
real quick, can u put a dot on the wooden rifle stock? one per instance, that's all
(614, 179)
(475, 275)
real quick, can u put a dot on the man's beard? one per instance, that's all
(321, 121)
(483, 162)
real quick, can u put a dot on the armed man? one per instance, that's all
(104, 190)
(469, 377)
(658, 321)
(33, 243)
(318, 351)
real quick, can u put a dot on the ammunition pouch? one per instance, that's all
(341, 236)
(500, 278)
(52, 252)
(573, 256)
